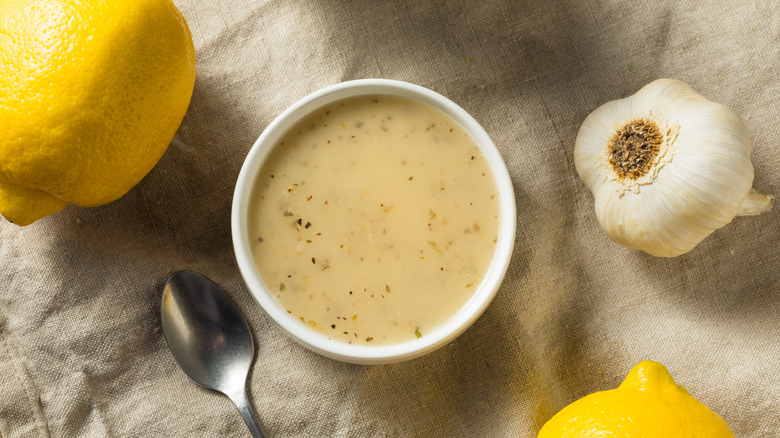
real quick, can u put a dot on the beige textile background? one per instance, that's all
(81, 353)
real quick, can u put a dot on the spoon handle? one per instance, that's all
(241, 401)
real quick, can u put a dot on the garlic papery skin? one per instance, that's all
(667, 167)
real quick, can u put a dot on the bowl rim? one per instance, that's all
(457, 323)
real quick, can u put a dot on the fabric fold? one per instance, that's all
(20, 402)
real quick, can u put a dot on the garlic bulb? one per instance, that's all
(667, 167)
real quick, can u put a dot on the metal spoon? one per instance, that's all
(209, 339)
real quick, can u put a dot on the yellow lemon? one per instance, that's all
(91, 94)
(648, 404)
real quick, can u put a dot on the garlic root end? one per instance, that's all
(755, 203)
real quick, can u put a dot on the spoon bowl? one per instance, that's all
(209, 338)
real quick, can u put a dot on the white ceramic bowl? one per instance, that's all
(383, 353)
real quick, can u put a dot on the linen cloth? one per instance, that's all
(81, 350)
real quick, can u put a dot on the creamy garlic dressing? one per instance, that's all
(374, 220)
